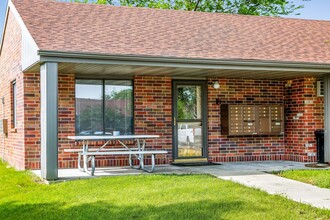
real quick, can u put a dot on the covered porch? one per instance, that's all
(292, 85)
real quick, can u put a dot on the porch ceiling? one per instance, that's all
(126, 66)
(88, 70)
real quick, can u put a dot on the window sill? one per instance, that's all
(13, 130)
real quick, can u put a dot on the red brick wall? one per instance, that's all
(223, 148)
(32, 120)
(153, 111)
(10, 70)
(66, 117)
(304, 114)
(153, 115)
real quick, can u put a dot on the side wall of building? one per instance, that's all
(12, 146)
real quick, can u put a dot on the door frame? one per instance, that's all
(204, 120)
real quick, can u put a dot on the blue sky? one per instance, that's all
(314, 9)
(3, 6)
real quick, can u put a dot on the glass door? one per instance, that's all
(189, 113)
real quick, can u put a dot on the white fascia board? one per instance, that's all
(29, 47)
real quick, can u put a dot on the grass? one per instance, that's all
(142, 197)
(320, 178)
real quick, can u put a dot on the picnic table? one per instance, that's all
(138, 151)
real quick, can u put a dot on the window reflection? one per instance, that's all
(89, 107)
(189, 102)
(190, 139)
(118, 107)
(104, 107)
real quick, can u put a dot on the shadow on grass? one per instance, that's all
(101, 210)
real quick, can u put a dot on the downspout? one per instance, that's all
(3, 116)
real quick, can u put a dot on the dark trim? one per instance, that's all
(103, 103)
(75, 57)
(326, 80)
(133, 103)
(174, 120)
(203, 85)
(14, 104)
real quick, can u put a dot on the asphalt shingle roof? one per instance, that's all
(103, 29)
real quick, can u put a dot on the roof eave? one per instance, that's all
(158, 61)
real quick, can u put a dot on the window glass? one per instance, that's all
(89, 107)
(189, 102)
(104, 107)
(118, 107)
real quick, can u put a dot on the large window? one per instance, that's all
(104, 107)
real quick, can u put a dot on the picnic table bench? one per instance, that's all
(89, 154)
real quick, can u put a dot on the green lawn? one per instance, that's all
(320, 178)
(142, 197)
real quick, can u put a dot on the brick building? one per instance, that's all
(215, 87)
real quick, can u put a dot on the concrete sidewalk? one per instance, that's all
(253, 174)
(297, 191)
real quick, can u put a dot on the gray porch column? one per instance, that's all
(49, 123)
(327, 118)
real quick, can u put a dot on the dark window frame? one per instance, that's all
(104, 101)
(14, 104)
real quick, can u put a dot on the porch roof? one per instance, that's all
(102, 29)
(105, 66)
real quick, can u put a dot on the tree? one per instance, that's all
(187, 102)
(247, 7)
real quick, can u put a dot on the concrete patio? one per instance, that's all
(223, 169)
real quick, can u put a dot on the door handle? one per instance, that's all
(174, 121)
